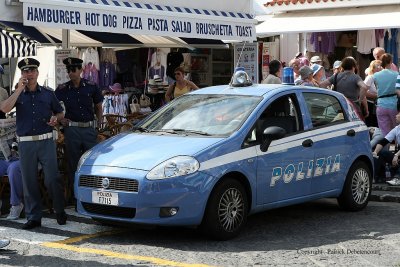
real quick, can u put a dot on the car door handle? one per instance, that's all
(307, 143)
(351, 132)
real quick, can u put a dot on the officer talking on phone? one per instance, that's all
(38, 111)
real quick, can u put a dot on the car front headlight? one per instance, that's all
(177, 166)
(82, 159)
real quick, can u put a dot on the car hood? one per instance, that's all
(145, 151)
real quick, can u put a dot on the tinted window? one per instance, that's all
(283, 112)
(324, 109)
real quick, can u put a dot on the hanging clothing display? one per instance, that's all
(158, 70)
(90, 73)
(108, 54)
(115, 104)
(158, 63)
(174, 60)
(309, 45)
(379, 35)
(392, 47)
(107, 74)
(366, 41)
(386, 40)
(90, 55)
(323, 42)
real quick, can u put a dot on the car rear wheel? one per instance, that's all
(226, 211)
(357, 187)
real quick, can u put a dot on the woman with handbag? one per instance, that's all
(180, 87)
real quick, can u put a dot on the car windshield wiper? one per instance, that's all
(141, 129)
(190, 132)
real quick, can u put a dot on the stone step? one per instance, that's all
(385, 187)
(385, 196)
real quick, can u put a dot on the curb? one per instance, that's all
(385, 196)
(383, 192)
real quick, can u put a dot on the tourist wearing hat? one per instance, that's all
(83, 110)
(306, 77)
(337, 66)
(38, 111)
(302, 59)
(318, 72)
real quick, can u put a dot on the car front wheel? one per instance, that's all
(357, 187)
(226, 211)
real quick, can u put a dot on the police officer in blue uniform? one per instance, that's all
(38, 111)
(83, 105)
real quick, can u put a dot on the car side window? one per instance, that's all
(283, 112)
(324, 109)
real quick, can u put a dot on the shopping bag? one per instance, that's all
(135, 106)
(144, 101)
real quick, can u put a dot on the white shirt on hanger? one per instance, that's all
(366, 41)
(91, 55)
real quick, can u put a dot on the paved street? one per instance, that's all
(313, 234)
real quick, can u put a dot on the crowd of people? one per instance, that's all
(376, 99)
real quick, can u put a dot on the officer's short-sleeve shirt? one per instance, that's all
(79, 101)
(34, 110)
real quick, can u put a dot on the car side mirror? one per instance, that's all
(270, 134)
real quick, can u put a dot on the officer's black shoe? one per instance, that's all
(30, 224)
(61, 218)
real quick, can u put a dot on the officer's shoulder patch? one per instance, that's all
(47, 88)
(62, 86)
(90, 82)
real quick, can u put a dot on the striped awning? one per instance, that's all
(14, 45)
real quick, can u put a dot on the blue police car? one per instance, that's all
(212, 157)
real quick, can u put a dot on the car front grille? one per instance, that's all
(113, 211)
(120, 184)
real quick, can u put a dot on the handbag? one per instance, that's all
(144, 101)
(135, 106)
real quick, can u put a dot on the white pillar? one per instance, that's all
(65, 39)
(289, 46)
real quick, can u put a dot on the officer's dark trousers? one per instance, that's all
(32, 152)
(77, 141)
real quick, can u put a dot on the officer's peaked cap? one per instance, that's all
(73, 62)
(28, 63)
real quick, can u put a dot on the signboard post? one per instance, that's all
(246, 56)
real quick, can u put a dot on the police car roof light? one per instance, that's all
(240, 79)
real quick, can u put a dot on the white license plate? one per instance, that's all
(105, 198)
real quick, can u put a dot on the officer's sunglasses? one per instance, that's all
(72, 69)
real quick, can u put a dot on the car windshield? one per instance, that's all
(204, 115)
